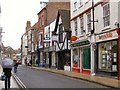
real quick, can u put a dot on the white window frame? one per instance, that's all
(89, 22)
(106, 14)
(81, 2)
(75, 27)
(82, 24)
(75, 5)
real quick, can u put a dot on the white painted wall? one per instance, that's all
(98, 16)
(51, 27)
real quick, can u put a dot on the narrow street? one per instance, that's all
(32, 78)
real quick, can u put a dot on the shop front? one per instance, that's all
(107, 54)
(81, 57)
(63, 59)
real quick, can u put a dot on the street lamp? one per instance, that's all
(118, 32)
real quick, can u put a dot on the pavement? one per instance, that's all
(13, 82)
(107, 81)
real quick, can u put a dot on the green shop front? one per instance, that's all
(81, 57)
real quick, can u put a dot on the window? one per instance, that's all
(81, 2)
(81, 25)
(60, 33)
(108, 56)
(75, 25)
(42, 22)
(40, 39)
(75, 5)
(89, 22)
(106, 14)
(76, 58)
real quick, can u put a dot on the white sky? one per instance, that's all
(13, 18)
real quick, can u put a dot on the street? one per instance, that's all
(33, 78)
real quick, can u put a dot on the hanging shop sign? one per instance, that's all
(73, 38)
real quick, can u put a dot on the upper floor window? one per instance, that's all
(81, 2)
(81, 24)
(40, 38)
(106, 14)
(75, 26)
(75, 5)
(42, 22)
(89, 22)
(60, 33)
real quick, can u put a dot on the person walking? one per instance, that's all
(15, 66)
(7, 65)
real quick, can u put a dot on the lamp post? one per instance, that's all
(118, 32)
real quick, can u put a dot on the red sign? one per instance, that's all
(118, 31)
(73, 38)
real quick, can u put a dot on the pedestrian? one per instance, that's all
(7, 65)
(15, 66)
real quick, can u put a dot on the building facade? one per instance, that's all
(62, 33)
(94, 52)
(45, 17)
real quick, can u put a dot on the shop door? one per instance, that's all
(86, 58)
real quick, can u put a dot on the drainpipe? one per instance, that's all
(92, 42)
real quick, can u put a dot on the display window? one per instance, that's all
(76, 58)
(108, 56)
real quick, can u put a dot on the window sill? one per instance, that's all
(75, 10)
(80, 6)
(106, 28)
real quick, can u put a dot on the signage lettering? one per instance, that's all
(107, 35)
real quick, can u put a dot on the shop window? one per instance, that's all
(76, 61)
(108, 56)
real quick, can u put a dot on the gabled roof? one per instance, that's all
(8, 50)
(65, 16)
(35, 26)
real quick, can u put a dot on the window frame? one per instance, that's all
(60, 33)
(75, 5)
(89, 28)
(76, 27)
(82, 24)
(106, 14)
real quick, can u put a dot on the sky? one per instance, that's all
(13, 18)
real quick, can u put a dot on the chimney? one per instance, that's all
(28, 25)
